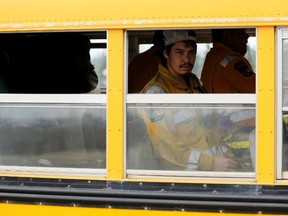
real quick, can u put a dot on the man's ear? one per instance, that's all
(165, 54)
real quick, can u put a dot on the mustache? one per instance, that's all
(185, 65)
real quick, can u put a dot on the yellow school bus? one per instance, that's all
(66, 150)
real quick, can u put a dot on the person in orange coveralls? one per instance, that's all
(225, 69)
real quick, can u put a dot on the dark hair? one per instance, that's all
(158, 38)
(217, 34)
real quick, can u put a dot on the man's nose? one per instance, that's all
(186, 57)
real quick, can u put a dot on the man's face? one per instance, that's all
(238, 39)
(181, 59)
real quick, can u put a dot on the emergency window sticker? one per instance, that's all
(155, 114)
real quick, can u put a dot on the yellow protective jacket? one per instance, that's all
(177, 135)
(226, 71)
(165, 82)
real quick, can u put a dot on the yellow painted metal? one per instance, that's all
(18, 15)
(115, 107)
(116, 16)
(265, 105)
(36, 210)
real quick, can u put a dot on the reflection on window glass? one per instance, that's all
(285, 103)
(285, 142)
(165, 137)
(53, 137)
(285, 63)
(285, 72)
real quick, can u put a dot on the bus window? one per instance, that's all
(53, 136)
(53, 126)
(53, 62)
(141, 48)
(167, 136)
(189, 132)
(282, 149)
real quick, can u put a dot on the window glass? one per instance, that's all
(53, 136)
(98, 53)
(48, 120)
(285, 104)
(187, 137)
(285, 71)
(145, 53)
(214, 133)
(52, 62)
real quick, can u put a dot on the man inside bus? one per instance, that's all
(178, 136)
(225, 69)
(145, 65)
